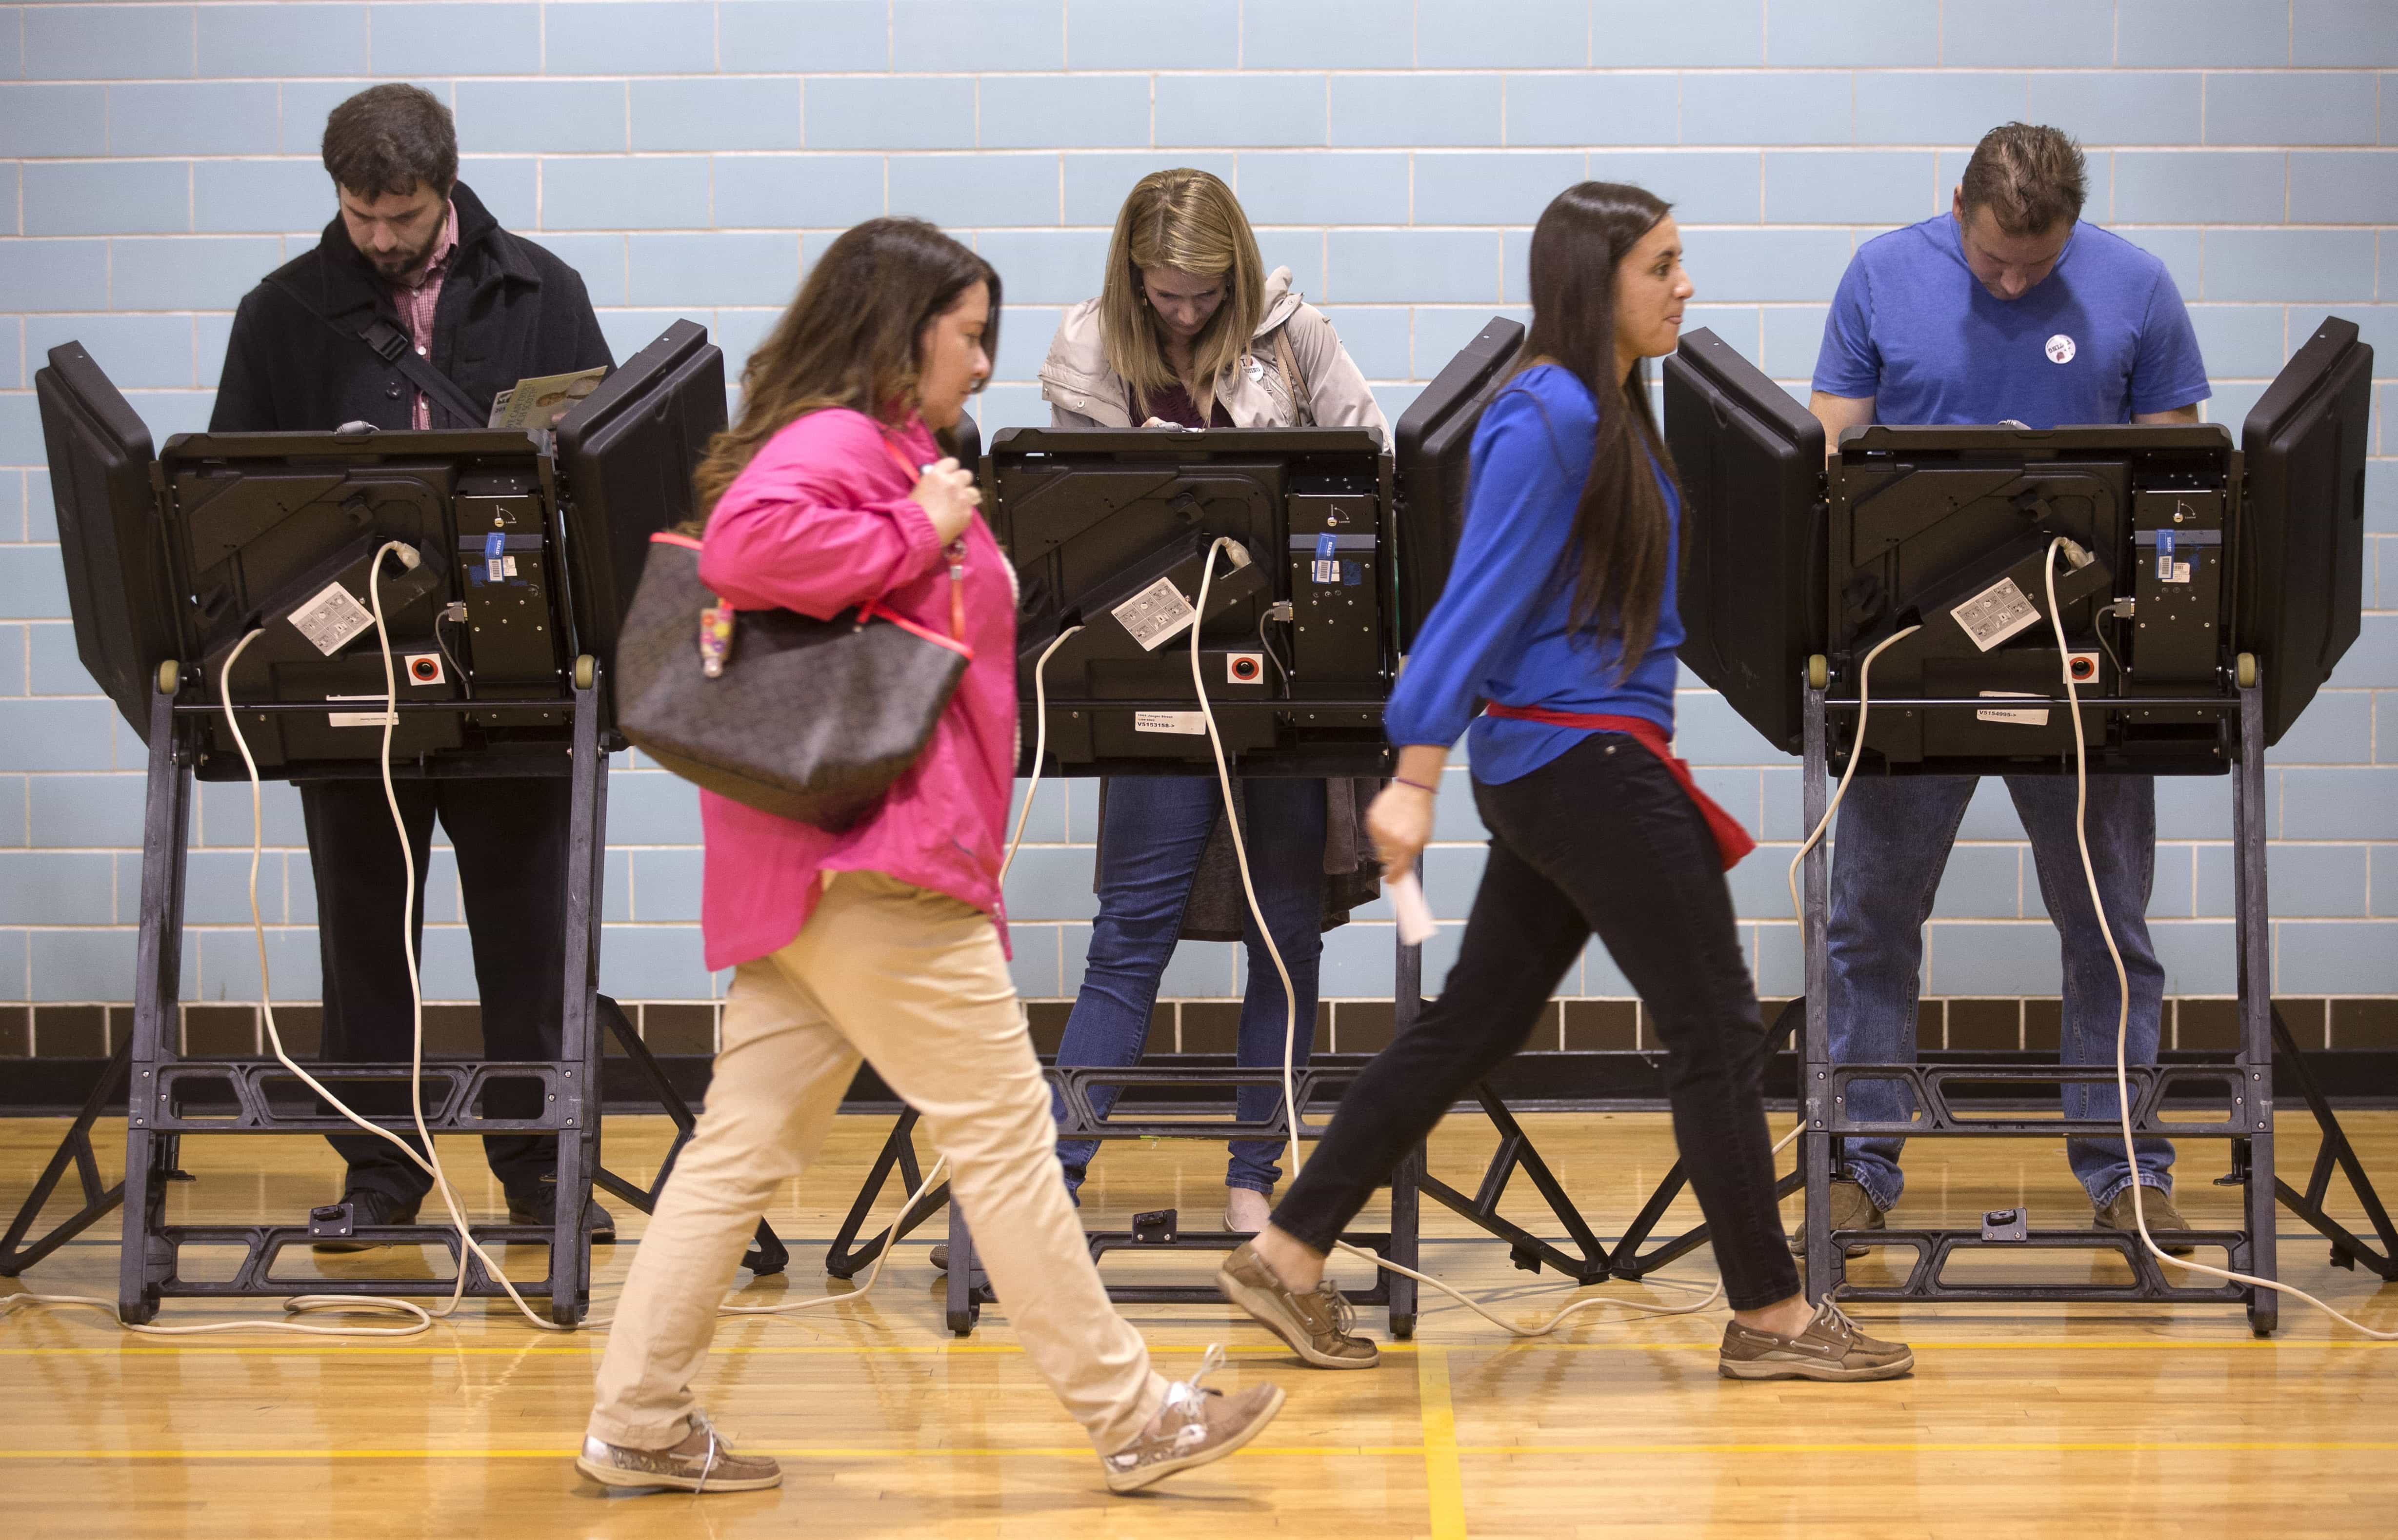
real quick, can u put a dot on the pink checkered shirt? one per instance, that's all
(416, 301)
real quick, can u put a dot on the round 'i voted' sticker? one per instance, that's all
(2060, 349)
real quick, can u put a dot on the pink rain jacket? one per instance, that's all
(820, 522)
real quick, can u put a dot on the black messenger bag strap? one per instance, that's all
(389, 344)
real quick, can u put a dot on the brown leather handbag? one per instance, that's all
(807, 719)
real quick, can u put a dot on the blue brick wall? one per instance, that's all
(689, 157)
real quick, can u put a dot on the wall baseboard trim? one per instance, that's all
(1551, 1081)
(1979, 1025)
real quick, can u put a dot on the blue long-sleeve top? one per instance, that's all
(1500, 630)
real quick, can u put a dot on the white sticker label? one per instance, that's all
(1995, 613)
(2180, 572)
(2060, 349)
(1190, 724)
(2019, 717)
(330, 618)
(360, 718)
(1154, 614)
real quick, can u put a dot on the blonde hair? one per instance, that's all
(1188, 221)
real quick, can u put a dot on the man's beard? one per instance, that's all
(405, 263)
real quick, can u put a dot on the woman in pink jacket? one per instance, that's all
(885, 941)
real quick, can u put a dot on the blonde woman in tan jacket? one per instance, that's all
(1187, 315)
(1189, 330)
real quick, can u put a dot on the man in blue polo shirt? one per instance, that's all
(2004, 308)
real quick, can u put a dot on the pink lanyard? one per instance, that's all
(956, 553)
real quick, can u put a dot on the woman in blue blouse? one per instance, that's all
(1560, 611)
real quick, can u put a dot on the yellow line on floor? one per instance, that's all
(1444, 1483)
(1448, 1507)
(546, 1346)
(1930, 1446)
(818, 1452)
(593, 1341)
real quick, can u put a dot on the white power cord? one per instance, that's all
(2123, 982)
(1241, 850)
(1856, 753)
(1040, 743)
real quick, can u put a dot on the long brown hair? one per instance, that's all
(1190, 222)
(850, 338)
(1621, 531)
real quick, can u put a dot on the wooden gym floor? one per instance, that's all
(2040, 1420)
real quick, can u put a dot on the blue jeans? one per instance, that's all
(1157, 829)
(1893, 839)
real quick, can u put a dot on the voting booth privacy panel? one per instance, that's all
(1341, 551)
(528, 552)
(2200, 551)
(254, 566)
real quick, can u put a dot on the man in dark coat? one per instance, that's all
(414, 250)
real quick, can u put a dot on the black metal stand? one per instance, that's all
(75, 1149)
(2246, 1085)
(1516, 1152)
(1629, 1260)
(171, 1095)
(969, 1289)
(2347, 1250)
(769, 1255)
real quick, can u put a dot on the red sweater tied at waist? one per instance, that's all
(1731, 841)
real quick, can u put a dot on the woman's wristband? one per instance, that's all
(1401, 780)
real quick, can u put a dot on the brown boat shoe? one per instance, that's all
(1315, 1324)
(1831, 1348)
(1196, 1426)
(702, 1462)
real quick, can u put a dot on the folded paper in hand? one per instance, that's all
(1416, 924)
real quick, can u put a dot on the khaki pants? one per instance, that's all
(914, 982)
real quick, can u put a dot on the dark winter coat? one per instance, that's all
(508, 311)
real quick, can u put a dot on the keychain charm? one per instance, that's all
(715, 638)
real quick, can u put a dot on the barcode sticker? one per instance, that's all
(360, 718)
(1995, 613)
(2023, 717)
(331, 618)
(1189, 724)
(1154, 614)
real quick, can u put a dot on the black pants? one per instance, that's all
(1600, 839)
(509, 834)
